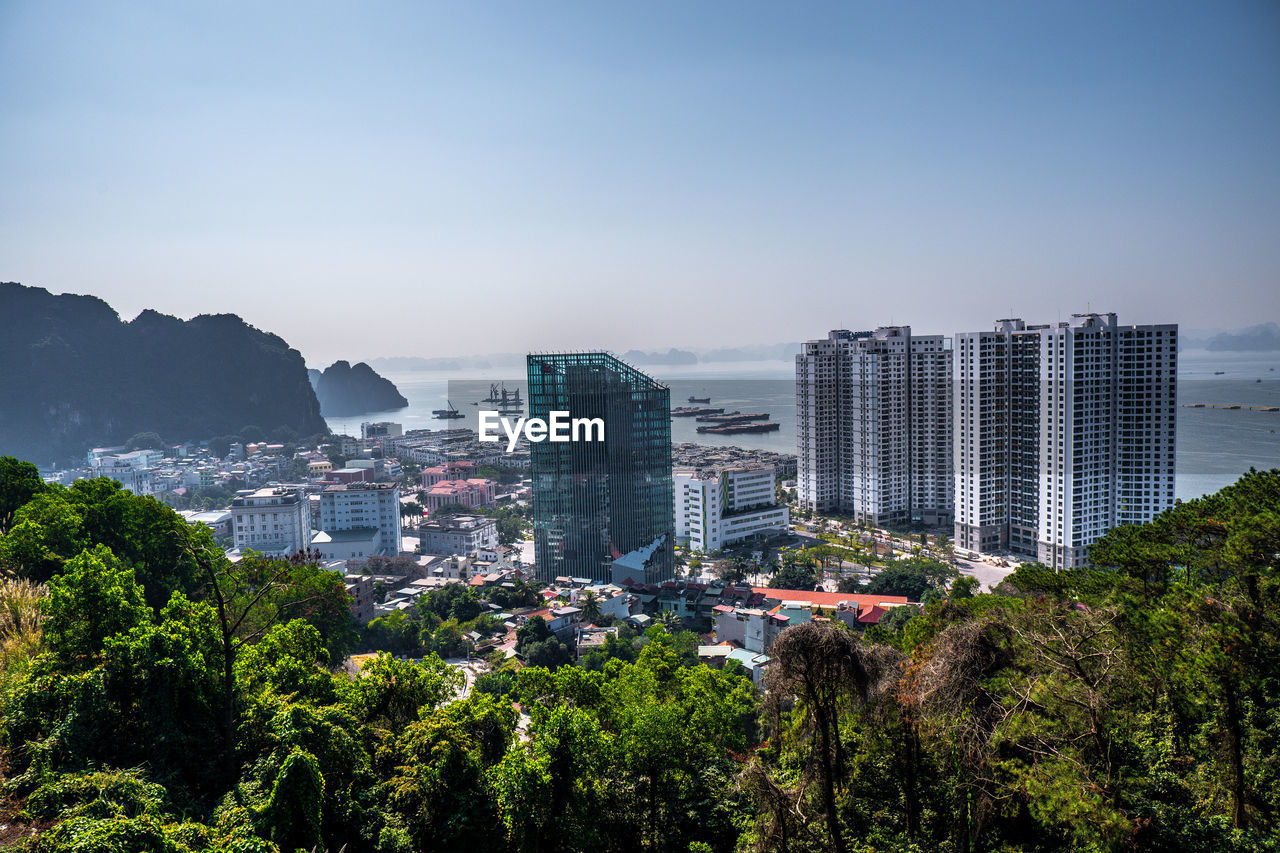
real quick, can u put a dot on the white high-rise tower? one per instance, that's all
(873, 426)
(1062, 432)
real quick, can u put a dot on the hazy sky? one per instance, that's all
(373, 179)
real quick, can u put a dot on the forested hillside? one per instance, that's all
(74, 376)
(157, 698)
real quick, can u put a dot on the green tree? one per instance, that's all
(510, 528)
(965, 587)
(390, 692)
(251, 596)
(117, 687)
(293, 812)
(144, 441)
(438, 788)
(95, 598)
(534, 630)
(794, 576)
(821, 666)
(44, 533)
(733, 570)
(590, 607)
(143, 533)
(549, 789)
(912, 577)
(549, 653)
(395, 633)
(19, 483)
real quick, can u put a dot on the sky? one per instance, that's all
(432, 179)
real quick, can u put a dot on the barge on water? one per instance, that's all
(732, 417)
(693, 411)
(734, 429)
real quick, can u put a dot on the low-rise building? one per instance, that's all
(354, 544)
(140, 481)
(460, 469)
(217, 520)
(469, 493)
(749, 628)
(857, 610)
(359, 506)
(719, 506)
(458, 534)
(144, 458)
(319, 467)
(380, 429)
(95, 456)
(350, 474)
(273, 521)
(755, 663)
(360, 589)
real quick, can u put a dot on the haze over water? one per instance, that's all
(1215, 446)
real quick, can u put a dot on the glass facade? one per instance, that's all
(594, 501)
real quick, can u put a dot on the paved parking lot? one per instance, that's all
(987, 574)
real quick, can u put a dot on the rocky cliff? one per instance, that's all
(74, 376)
(344, 390)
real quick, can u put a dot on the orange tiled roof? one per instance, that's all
(829, 599)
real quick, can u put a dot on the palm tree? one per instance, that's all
(590, 607)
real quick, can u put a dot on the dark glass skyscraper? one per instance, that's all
(596, 501)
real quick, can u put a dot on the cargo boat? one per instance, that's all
(693, 411)
(732, 417)
(734, 429)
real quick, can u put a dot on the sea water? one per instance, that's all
(1214, 446)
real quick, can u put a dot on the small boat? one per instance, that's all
(699, 399)
(1218, 372)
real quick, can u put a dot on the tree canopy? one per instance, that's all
(157, 697)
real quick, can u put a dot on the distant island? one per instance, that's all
(405, 363)
(671, 356)
(74, 376)
(345, 390)
(1264, 337)
(653, 358)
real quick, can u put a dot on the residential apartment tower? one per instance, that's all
(873, 426)
(1063, 431)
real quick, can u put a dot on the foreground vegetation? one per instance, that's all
(157, 698)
